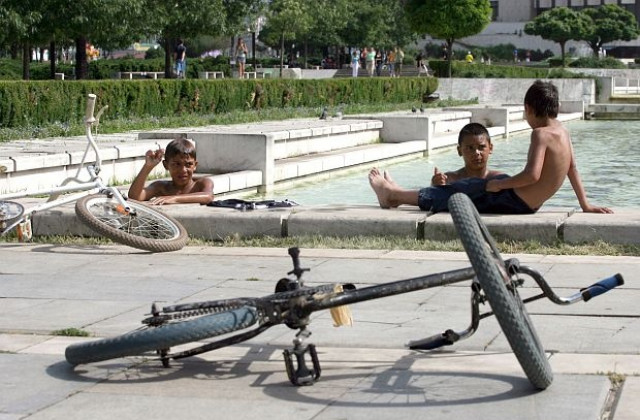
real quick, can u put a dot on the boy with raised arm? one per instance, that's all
(550, 160)
(180, 161)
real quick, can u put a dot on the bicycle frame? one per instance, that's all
(294, 310)
(79, 188)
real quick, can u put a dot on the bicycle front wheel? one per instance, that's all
(163, 337)
(503, 297)
(143, 227)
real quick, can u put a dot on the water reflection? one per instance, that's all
(607, 160)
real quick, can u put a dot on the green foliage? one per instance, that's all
(448, 19)
(560, 24)
(477, 70)
(611, 23)
(598, 63)
(37, 103)
(152, 53)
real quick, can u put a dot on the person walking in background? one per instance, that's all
(241, 56)
(370, 61)
(380, 57)
(181, 60)
(399, 61)
(391, 62)
(355, 63)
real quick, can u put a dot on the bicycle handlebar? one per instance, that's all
(601, 287)
(91, 104)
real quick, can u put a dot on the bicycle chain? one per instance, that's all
(163, 318)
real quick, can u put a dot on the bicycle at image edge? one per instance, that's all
(493, 280)
(101, 207)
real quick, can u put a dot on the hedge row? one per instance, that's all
(44, 102)
(479, 70)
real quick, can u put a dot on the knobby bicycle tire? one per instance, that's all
(144, 228)
(506, 304)
(163, 337)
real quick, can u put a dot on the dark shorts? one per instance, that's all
(435, 199)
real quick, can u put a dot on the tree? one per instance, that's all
(21, 22)
(560, 25)
(288, 19)
(448, 19)
(185, 19)
(611, 23)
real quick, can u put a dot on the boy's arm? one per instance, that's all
(137, 191)
(578, 188)
(531, 172)
(202, 193)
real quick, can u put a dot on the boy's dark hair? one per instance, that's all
(473, 129)
(180, 146)
(542, 97)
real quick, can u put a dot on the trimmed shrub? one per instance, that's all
(35, 103)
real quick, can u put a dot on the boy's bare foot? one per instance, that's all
(387, 176)
(381, 187)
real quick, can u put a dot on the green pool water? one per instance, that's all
(607, 153)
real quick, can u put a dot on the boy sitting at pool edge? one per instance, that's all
(475, 147)
(180, 161)
(550, 160)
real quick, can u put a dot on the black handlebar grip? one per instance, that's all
(601, 287)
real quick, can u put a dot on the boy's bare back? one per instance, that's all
(548, 162)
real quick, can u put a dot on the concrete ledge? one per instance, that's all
(622, 227)
(354, 220)
(547, 226)
(543, 226)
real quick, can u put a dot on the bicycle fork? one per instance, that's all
(513, 267)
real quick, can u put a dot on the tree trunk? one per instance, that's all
(562, 52)
(449, 56)
(26, 58)
(167, 57)
(281, 53)
(81, 58)
(52, 59)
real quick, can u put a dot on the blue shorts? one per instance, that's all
(435, 199)
(181, 66)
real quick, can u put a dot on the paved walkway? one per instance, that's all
(367, 373)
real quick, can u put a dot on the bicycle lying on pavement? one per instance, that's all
(99, 206)
(494, 281)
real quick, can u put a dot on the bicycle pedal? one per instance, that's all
(24, 231)
(297, 371)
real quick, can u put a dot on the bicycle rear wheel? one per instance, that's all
(143, 227)
(503, 297)
(163, 337)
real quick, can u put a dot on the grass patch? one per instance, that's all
(71, 332)
(368, 242)
(398, 243)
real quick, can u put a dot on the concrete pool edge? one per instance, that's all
(549, 225)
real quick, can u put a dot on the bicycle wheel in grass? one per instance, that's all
(501, 294)
(143, 227)
(163, 337)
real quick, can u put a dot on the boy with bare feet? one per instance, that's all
(550, 160)
(180, 161)
(475, 147)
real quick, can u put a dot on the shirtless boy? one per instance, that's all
(549, 161)
(475, 147)
(180, 161)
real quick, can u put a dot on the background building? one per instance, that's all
(510, 16)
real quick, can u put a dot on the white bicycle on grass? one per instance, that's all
(99, 206)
